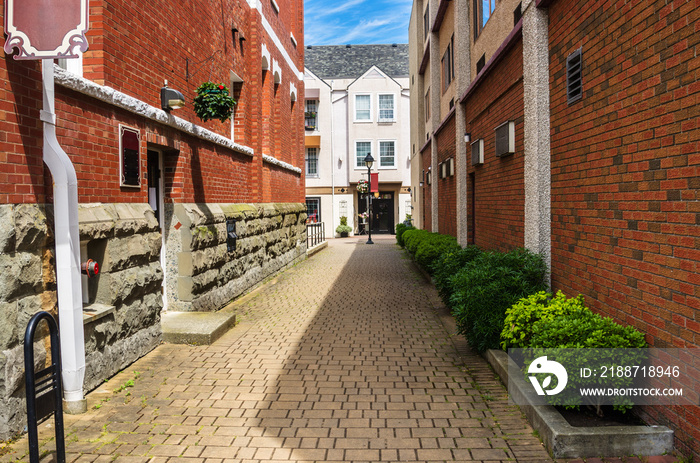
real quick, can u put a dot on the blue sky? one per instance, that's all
(329, 22)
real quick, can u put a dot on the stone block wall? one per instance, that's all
(202, 275)
(122, 316)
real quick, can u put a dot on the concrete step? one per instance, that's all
(198, 328)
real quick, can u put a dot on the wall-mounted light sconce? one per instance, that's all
(467, 137)
(170, 98)
(420, 184)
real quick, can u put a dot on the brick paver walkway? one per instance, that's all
(342, 358)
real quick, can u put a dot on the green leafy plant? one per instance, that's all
(343, 229)
(213, 102)
(522, 316)
(584, 339)
(413, 237)
(448, 265)
(487, 286)
(432, 247)
(400, 229)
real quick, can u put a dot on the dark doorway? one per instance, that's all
(154, 184)
(382, 211)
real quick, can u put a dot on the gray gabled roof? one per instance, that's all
(351, 61)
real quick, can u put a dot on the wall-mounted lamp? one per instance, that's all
(420, 184)
(170, 98)
(467, 137)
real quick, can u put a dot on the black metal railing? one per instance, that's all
(315, 234)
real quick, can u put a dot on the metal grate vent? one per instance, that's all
(574, 86)
(505, 139)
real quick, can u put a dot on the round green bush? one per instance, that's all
(432, 247)
(448, 265)
(521, 317)
(487, 287)
(413, 237)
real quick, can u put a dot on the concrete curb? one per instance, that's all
(565, 441)
(311, 251)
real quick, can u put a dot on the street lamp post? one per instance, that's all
(369, 160)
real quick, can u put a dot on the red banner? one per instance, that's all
(375, 183)
(46, 29)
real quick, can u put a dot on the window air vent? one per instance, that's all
(478, 152)
(574, 87)
(481, 63)
(505, 139)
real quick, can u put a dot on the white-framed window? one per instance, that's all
(363, 108)
(362, 149)
(386, 107)
(312, 162)
(311, 115)
(387, 154)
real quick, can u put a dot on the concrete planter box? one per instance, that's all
(565, 441)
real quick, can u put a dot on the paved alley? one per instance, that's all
(344, 357)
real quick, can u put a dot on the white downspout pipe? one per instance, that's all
(67, 236)
(332, 163)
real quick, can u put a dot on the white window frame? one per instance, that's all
(316, 154)
(378, 162)
(393, 107)
(369, 97)
(371, 150)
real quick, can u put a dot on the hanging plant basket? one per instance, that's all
(213, 102)
(362, 186)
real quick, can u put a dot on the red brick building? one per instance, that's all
(159, 192)
(597, 110)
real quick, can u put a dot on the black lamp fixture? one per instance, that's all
(170, 98)
(369, 160)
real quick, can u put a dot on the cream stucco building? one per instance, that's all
(357, 102)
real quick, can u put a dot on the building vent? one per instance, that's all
(505, 139)
(480, 64)
(574, 87)
(478, 152)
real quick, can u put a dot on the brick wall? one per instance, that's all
(498, 184)
(185, 45)
(427, 192)
(447, 187)
(626, 170)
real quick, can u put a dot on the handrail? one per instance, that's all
(315, 234)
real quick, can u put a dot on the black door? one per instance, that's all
(383, 213)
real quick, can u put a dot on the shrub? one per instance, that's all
(432, 247)
(400, 229)
(448, 265)
(584, 329)
(590, 340)
(343, 229)
(487, 287)
(521, 317)
(412, 239)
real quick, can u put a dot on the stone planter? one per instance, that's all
(565, 441)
